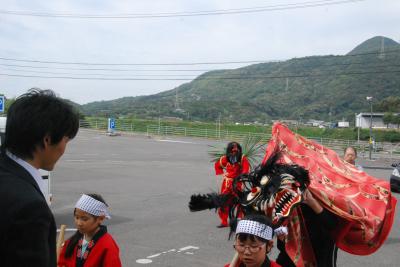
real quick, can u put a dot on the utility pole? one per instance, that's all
(176, 99)
(330, 116)
(369, 99)
(159, 118)
(357, 124)
(218, 126)
(159, 125)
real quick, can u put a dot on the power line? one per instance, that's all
(183, 70)
(185, 63)
(210, 74)
(104, 69)
(129, 64)
(268, 8)
(202, 78)
(366, 63)
(98, 74)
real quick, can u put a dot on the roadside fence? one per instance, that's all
(380, 149)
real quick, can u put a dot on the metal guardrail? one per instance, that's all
(205, 133)
(382, 149)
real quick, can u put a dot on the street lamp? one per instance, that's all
(369, 99)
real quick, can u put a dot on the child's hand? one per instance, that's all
(281, 233)
(309, 200)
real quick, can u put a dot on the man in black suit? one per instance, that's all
(38, 127)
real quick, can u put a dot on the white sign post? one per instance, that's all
(111, 125)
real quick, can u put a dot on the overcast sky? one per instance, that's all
(36, 33)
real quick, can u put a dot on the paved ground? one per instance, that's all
(147, 182)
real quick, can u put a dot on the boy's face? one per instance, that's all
(86, 223)
(252, 253)
(350, 156)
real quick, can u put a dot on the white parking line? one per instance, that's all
(187, 248)
(175, 141)
(144, 261)
(153, 256)
(148, 258)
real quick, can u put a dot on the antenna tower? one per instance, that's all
(176, 99)
(382, 52)
(287, 84)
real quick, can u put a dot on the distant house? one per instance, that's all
(167, 118)
(287, 122)
(363, 120)
(314, 123)
(343, 124)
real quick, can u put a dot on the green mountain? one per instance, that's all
(318, 87)
(375, 44)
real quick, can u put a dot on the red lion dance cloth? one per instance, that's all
(362, 203)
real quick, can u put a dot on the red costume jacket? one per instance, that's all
(105, 253)
(232, 170)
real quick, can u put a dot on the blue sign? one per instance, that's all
(111, 124)
(2, 103)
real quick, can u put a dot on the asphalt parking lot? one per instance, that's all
(147, 182)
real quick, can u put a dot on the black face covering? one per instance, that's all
(234, 153)
(233, 159)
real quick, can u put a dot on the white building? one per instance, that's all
(363, 120)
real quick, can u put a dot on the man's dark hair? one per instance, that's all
(35, 115)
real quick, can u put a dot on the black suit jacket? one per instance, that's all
(27, 226)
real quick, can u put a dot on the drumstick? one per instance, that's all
(60, 239)
(234, 260)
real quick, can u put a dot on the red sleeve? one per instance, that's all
(219, 165)
(245, 165)
(61, 259)
(274, 264)
(111, 257)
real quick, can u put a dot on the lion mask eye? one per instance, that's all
(264, 180)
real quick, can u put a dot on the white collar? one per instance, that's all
(29, 168)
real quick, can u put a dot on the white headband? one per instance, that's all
(254, 228)
(92, 206)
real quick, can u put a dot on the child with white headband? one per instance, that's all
(253, 241)
(91, 245)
